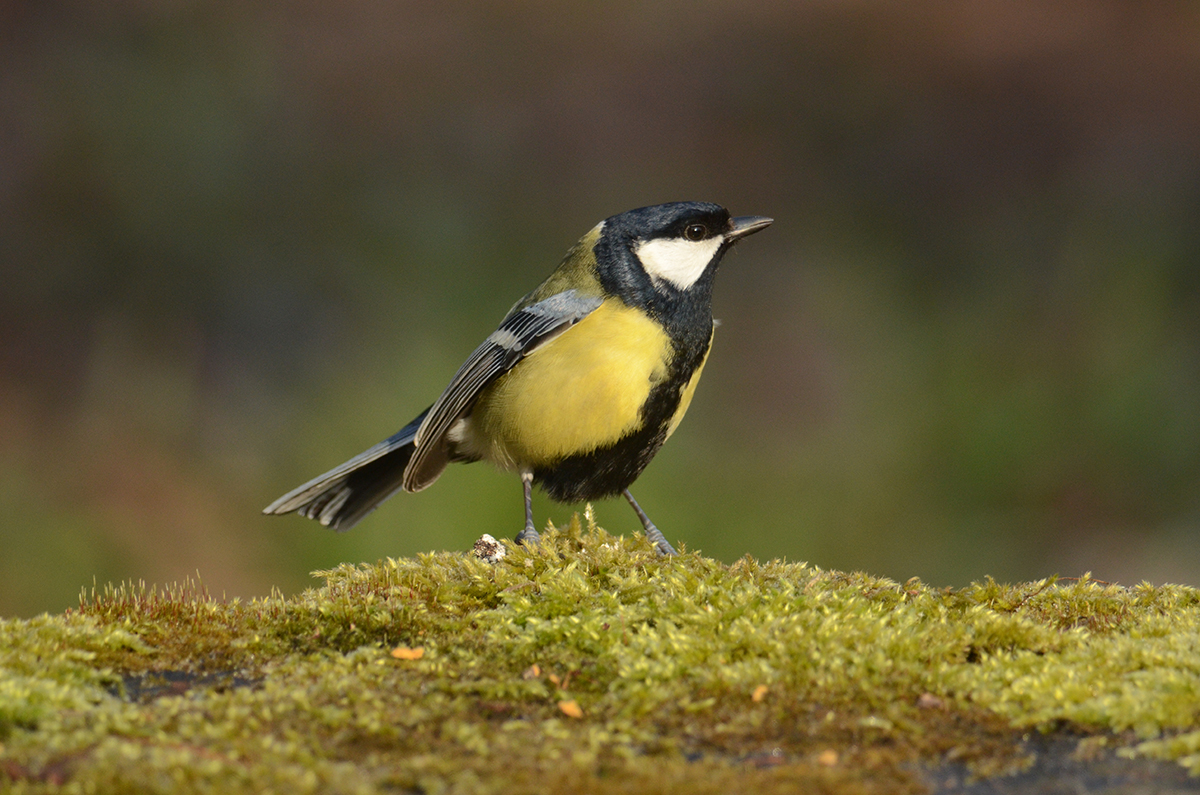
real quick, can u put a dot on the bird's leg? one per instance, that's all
(653, 534)
(529, 535)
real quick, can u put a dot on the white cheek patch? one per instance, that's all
(678, 261)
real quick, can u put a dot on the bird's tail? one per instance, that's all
(341, 497)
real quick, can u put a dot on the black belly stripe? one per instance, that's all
(607, 471)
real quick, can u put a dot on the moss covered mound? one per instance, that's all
(589, 664)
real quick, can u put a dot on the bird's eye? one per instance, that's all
(695, 232)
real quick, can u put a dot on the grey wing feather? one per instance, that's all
(521, 333)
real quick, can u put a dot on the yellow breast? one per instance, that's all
(581, 391)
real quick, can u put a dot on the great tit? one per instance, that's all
(581, 384)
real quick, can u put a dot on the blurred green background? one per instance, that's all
(241, 241)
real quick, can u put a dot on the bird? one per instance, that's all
(580, 385)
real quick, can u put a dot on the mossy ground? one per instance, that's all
(587, 665)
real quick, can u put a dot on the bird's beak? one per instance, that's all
(747, 225)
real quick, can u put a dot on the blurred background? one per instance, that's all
(241, 241)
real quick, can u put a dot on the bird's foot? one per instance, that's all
(528, 537)
(653, 534)
(660, 542)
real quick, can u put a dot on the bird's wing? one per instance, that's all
(521, 333)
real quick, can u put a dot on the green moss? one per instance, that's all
(689, 674)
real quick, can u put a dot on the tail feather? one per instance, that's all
(341, 497)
